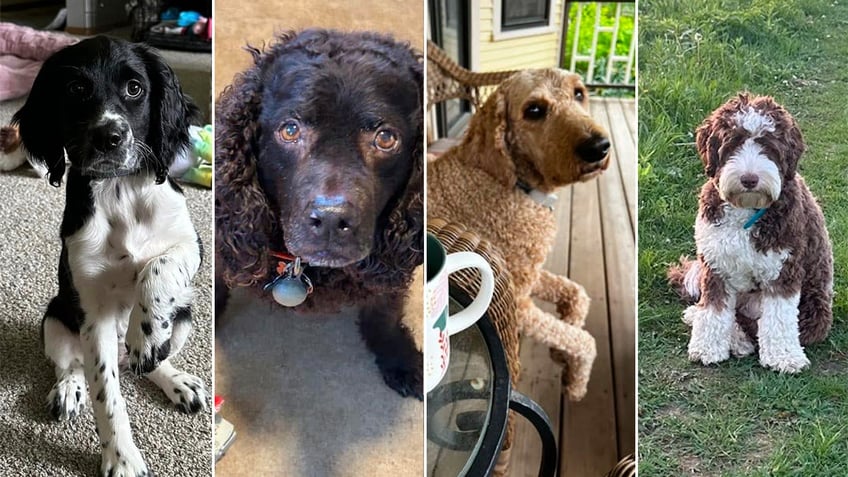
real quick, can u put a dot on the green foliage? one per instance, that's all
(736, 418)
(585, 34)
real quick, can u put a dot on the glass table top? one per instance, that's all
(460, 406)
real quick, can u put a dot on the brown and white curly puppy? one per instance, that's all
(764, 273)
(319, 155)
(533, 135)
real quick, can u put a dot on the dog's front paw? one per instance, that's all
(67, 397)
(709, 344)
(123, 460)
(784, 361)
(187, 392)
(145, 352)
(706, 353)
(405, 378)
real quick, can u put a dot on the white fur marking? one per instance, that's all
(754, 121)
(778, 337)
(711, 330)
(749, 159)
(727, 250)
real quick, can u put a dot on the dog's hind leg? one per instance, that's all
(573, 346)
(815, 314)
(67, 397)
(186, 391)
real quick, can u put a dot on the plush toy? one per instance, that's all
(196, 166)
(11, 153)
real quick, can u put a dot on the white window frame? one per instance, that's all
(499, 34)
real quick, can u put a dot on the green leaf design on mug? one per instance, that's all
(442, 322)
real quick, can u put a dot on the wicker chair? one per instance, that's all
(447, 80)
(456, 238)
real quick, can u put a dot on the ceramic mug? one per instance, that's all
(439, 324)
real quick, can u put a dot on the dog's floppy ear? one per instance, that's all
(707, 145)
(171, 113)
(44, 143)
(244, 222)
(787, 140)
(488, 137)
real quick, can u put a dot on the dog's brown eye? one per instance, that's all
(579, 95)
(133, 88)
(76, 88)
(385, 140)
(535, 111)
(290, 132)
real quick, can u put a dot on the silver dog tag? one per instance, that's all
(289, 291)
(292, 287)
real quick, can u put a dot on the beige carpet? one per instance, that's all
(307, 399)
(303, 392)
(174, 444)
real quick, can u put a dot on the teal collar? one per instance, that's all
(754, 218)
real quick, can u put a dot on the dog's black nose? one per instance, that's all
(110, 136)
(749, 181)
(332, 217)
(594, 150)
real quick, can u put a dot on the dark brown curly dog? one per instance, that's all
(319, 155)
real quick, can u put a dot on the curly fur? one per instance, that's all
(765, 285)
(500, 148)
(248, 222)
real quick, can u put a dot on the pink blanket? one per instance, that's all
(22, 51)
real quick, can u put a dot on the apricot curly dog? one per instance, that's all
(533, 135)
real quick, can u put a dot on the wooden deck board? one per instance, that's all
(619, 260)
(540, 377)
(595, 246)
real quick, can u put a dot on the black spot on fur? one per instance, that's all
(178, 391)
(101, 396)
(103, 367)
(165, 324)
(155, 271)
(146, 328)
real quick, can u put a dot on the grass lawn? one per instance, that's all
(737, 418)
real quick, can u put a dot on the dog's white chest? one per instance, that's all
(728, 250)
(132, 223)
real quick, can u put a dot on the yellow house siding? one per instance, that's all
(535, 51)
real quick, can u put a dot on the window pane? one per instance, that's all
(524, 14)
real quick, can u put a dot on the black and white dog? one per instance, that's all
(115, 110)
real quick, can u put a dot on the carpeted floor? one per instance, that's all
(174, 444)
(307, 399)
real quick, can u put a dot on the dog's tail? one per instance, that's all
(685, 278)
